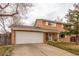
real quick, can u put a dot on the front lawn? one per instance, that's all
(5, 50)
(71, 47)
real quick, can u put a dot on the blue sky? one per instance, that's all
(48, 11)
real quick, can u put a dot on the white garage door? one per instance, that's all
(29, 37)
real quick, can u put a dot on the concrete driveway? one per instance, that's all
(39, 50)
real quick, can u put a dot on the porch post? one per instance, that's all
(58, 37)
(13, 37)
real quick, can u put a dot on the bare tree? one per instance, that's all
(18, 10)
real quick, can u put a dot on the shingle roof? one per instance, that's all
(32, 28)
(51, 21)
(37, 28)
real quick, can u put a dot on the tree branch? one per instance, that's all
(16, 12)
(4, 7)
(9, 14)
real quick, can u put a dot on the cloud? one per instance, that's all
(49, 11)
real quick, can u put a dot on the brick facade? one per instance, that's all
(41, 23)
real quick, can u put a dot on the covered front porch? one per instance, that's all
(52, 36)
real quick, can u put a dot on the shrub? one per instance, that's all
(6, 50)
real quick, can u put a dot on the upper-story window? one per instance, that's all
(46, 23)
(52, 24)
(62, 26)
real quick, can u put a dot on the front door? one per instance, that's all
(49, 36)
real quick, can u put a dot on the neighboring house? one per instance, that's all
(41, 32)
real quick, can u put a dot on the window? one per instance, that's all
(46, 23)
(62, 26)
(49, 36)
(52, 24)
(73, 39)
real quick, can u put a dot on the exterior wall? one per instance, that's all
(59, 27)
(44, 37)
(66, 39)
(43, 24)
(54, 36)
(39, 23)
(13, 36)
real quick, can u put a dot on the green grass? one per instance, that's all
(65, 46)
(6, 50)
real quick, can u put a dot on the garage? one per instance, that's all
(25, 37)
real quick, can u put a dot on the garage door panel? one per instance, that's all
(29, 37)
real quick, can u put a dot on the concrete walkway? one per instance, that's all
(39, 50)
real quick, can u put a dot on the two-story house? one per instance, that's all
(54, 26)
(42, 31)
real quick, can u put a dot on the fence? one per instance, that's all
(5, 39)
